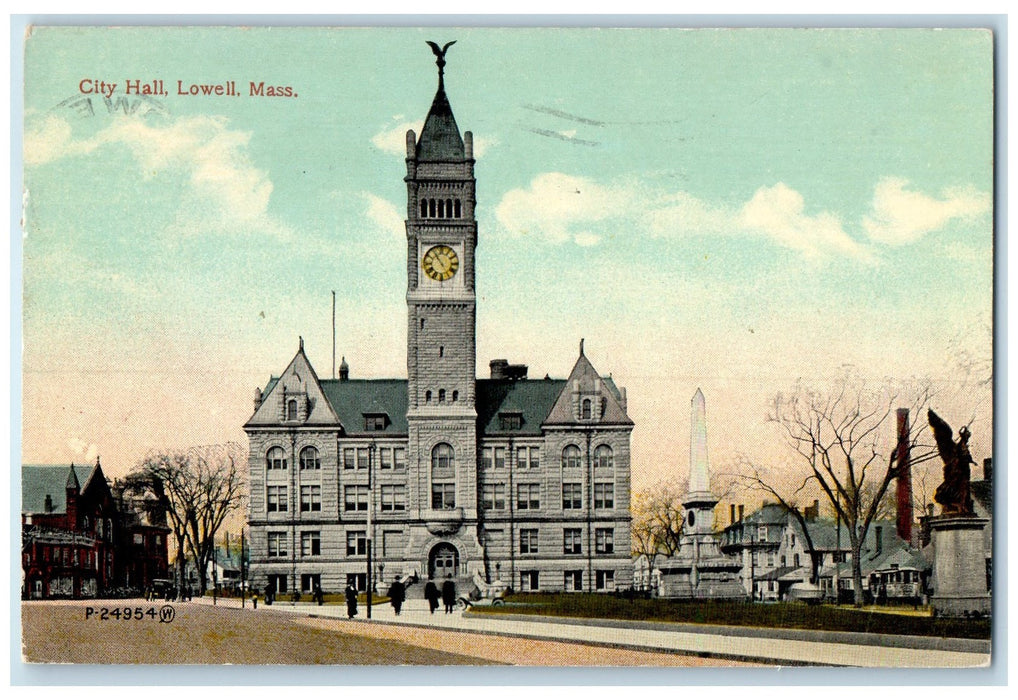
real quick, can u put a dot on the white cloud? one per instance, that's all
(225, 191)
(560, 208)
(393, 140)
(779, 213)
(385, 214)
(900, 215)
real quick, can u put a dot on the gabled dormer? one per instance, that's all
(294, 399)
(588, 399)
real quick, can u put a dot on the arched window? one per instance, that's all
(603, 457)
(442, 457)
(291, 409)
(457, 209)
(424, 208)
(431, 207)
(441, 209)
(309, 458)
(275, 458)
(427, 396)
(448, 208)
(571, 457)
(455, 395)
(441, 395)
(585, 412)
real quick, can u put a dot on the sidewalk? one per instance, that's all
(783, 647)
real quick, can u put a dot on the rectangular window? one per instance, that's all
(604, 540)
(761, 533)
(276, 499)
(278, 582)
(499, 458)
(493, 496)
(605, 580)
(528, 541)
(529, 581)
(399, 458)
(139, 538)
(310, 582)
(510, 421)
(486, 458)
(310, 544)
(573, 580)
(356, 543)
(572, 496)
(349, 454)
(443, 496)
(362, 457)
(604, 495)
(528, 496)
(277, 544)
(355, 498)
(374, 422)
(528, 458)
(393, 498)
(770, 559)
(385, 458)
(572, 540)
(310, 499)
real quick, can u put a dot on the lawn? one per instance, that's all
(776, 615)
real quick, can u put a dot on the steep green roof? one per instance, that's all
(532, 398)
(39, 481)
(351, 399)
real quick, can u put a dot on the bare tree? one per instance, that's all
(657, 521)
(845, 438)
(202, 486)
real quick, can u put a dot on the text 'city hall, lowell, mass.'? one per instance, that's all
(522, 480)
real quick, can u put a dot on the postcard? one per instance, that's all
(540, 347)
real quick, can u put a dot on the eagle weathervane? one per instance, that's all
(440, 53)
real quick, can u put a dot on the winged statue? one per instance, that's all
(440, 53)
(953, 494)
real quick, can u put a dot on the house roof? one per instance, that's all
(532, 398)
(41, 480)
(352, 399)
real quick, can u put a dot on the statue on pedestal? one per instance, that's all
(953, 494)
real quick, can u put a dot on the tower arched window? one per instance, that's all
(603, 457)
(571, 457)
(275, 458)
(443, 458)
(448, 208)
(291, 409)
(441, 209)
(585, 410)
(309, 458)
(424, 208)
(431, 207)
(427, 396)
(457, 209)
(441, 395)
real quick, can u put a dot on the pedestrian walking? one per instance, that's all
(449, 593)
(397, 594)
(351, 601)
(432, 595)
(319, 595)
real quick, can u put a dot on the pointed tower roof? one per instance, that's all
(440, 138)
(298, 377)
(585, 382)
(72, 479)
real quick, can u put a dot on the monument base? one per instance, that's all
(959, 567)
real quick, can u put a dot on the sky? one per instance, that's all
(734, 210)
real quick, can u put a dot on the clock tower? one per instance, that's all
(441, 323)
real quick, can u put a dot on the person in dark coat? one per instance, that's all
(319, 595)
(449, 593)
(432, 595)
(397, 594)
(351, 601)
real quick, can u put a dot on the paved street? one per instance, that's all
(730, 644)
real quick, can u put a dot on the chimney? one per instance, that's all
(904, 493)
(732, 506)
(49, 504)
(624, 401)
(257, 398)
(344, 370)
(498, 368)
(988, 469)
(741, 511)
(878, 532)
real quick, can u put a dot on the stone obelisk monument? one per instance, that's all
(699, 502)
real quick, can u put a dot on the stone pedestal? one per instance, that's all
(959, 567)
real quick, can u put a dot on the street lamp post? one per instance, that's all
(371, 504)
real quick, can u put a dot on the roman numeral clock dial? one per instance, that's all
(440, 263)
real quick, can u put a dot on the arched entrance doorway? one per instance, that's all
(443, 561)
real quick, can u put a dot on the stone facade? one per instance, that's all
(442, 474)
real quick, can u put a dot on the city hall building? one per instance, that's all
(440, 474)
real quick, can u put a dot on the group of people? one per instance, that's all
(397, 595)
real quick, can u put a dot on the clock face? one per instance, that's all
(440, 263)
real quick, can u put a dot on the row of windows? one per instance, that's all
(442, 457)
(393, 497)
(357, 542)
(441, 396)
(433, 208)
(572, 541)
(604, 580)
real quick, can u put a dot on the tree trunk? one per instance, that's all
(857, 573)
